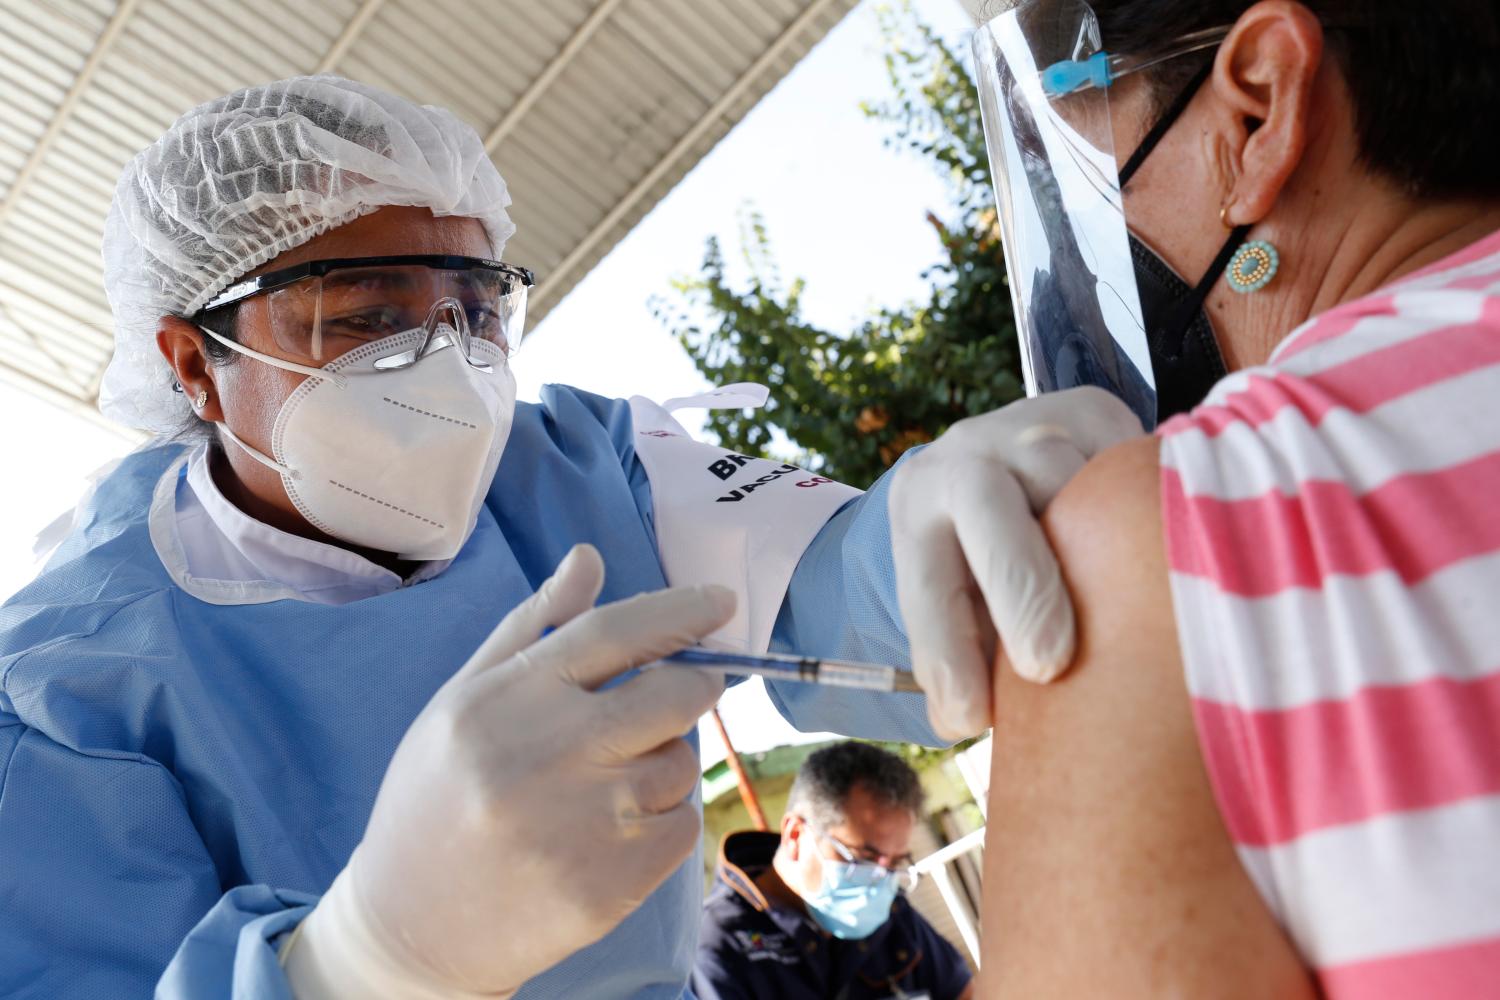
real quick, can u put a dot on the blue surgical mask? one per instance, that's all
(853, 901)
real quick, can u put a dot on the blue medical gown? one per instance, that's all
(179, 780)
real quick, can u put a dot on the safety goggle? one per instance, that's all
(322, 309)
(864, 871)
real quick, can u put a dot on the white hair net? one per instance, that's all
(238, 180)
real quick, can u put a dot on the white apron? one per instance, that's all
(727, 518)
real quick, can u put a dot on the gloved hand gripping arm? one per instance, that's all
(527, 811)
(974, 571)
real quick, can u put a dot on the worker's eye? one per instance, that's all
(367, 323)
(484, 322)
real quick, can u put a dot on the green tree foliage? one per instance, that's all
(853, 401)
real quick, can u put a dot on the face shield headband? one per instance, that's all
(1093, 305)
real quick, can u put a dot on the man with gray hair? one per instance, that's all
(815, 911)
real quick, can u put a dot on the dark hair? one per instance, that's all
(826, 778)
(225, 322)
(1425, 79)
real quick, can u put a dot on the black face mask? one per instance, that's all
(1185, 356)
(1184, 352)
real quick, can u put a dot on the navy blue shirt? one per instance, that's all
(751, 949)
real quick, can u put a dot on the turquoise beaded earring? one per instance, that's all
(1253, 265)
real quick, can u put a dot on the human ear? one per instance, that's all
(791, 836)
(1265, 75)
(181, 343)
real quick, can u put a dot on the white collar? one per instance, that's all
(220, 554)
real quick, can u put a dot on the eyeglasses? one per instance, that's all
(867, 871)
(321, 309)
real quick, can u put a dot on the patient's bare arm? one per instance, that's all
(1108, 872)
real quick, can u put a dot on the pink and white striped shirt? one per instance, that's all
(1333, 533)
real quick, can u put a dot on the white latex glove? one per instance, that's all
(525, 813)
(974, 571)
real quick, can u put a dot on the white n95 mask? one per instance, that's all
(397, 460)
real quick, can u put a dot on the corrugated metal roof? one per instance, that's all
(592, 109)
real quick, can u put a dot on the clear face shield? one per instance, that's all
(1044, 85)
(1057, 185)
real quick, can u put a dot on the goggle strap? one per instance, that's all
(283, 364)
(1165, 122)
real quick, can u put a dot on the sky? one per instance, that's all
(844, 211)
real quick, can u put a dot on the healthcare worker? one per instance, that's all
(1284, 726)
(260, 734)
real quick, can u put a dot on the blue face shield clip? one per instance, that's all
(1077, 74)
(1100, 70)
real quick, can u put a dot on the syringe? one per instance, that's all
(805, 669)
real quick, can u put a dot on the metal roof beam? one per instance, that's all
(550, 73)
(346, 38)
(105, 42)
(559, 275)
